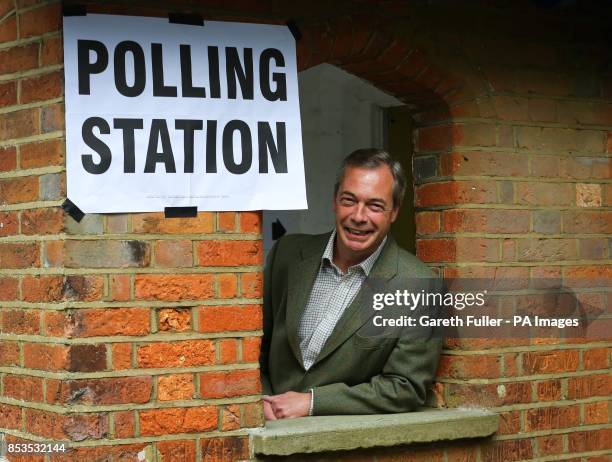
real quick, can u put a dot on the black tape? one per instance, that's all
(189, 19)
(278, 230)
(180, 212)
(71, 209)
(295, 30)
(74, 10)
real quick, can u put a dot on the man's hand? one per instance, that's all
(288, 405)
(268, 412)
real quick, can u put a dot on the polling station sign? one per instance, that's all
(161, 115)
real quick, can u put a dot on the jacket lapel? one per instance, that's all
(300, 281)
(384, 269)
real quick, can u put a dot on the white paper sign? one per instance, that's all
(172, 115)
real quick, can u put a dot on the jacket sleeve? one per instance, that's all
(400, 387)
(268, 323)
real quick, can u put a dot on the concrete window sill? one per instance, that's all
(343, 433)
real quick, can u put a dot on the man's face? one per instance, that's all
(364, 210)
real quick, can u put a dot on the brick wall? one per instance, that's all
(132, 332)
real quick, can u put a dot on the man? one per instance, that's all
(318, 356)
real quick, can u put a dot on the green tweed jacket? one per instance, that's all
(356, 372)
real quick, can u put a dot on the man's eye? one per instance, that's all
(347, 202)
(376, 208)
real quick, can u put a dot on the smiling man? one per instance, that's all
(318, 355)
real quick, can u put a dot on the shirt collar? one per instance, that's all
(366, 265)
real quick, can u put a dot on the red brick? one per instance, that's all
(477, 249)
(585, 168)
(560, 139)
(178, 354)
(587, 222)
(83, 288)
(110, 321)
(252, 415)
(529, 193)
(120, 287)
(39, 88)
(75, 427)
(11, 416)
(42, 154)
(250, 349)
(508, 450)
(87, 358)
(175, 386)
(228, 384)
(251, 285)
(53, 254)
(587, 276)
(488, 221)
(42, 221)
(228, 351)
(19, 321)
(217, 449)
(230, 318)
(122, 356)
(227, 286)
(488, 395)
(52, 118)
(593, 248)
(596, 358)
(230, 253)
(156, 223)
(174, 253)
(226, 221)
(509, 423)
(45, 356)
(8, 29)
(427, 222)
(23, 388)
(230, 418)
(9, 353)
(547, 249)
(124, 424)
(8, 158)
(587, 386)
(436, 250)
(444, 136)
(481, 366)
(177, 450)
(545, 166)
(42, 288)
(484, 163)
(105, 391)
(9, 288)
(15, 190)
(8, 91)
(19, 255)
(176, 287)
(590, 440)
(461, 454)
(250, 222)
(548, 390)
(549, 362)
(40, 20)
(104, 453)
(174, 319)
(52, 51)
(549, 445)
(596, 413)
(456, 192)
(511, 108)
(542, 110)
(19, 58)
(177, 420)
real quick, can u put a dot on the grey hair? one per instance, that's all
(374, 158)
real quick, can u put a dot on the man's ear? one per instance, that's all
(394, 213)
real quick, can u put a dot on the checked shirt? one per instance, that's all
(331, 293)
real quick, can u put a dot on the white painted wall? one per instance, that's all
(340, 113)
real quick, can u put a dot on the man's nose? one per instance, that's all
(360, 214)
